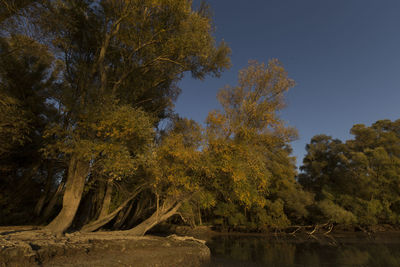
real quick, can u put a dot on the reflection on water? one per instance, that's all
(345, 250)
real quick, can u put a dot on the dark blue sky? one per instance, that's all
(343, 54)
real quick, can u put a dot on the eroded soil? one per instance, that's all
(27, 246)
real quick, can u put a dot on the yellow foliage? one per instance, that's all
(239, 136)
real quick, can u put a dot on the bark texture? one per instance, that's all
(77, 173)
(168, 209)
(107, 200)
(93, 226)
(122, 216)
(53, 201)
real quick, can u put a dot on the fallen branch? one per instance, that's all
(296, 230)
(330, 229)
(186, 238)
(313, 231)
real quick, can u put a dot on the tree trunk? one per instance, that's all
(40, 204)
(199, 211)
(106, 200)
(100, 192)
(45, 195)
(77, 173)
(50, 206)
(168, 209)
(122, 217)
(84, 211)
(93, 226)
(137, 213)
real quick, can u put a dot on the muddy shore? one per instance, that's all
(30, 246)
(21, 246)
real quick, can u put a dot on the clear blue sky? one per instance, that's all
(343, 54)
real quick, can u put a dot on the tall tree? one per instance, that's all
(120, 56)
(247, 145)
(27, 74)
(174, 171)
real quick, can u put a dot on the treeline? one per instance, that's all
(86, 89)
(358, 181)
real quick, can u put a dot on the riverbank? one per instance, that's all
(31, 246)
(303, 250)
(24, 246)
(205, 232)
(382, 234)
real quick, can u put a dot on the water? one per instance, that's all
(308, 251)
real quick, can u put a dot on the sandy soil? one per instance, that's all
(27, 246)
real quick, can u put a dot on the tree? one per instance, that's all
(119, 55)
(323, 164)
(247, 146)
(175, 171)
(356, 181)
(27, 74)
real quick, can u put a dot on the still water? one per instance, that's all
(345, 250)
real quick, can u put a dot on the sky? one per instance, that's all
(344, 56)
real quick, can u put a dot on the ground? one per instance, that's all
(27, 246)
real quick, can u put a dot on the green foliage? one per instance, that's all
(228, 215)
(25, 78)
(14, 127)
(248, 158)
(27, 74)
(360, 176)
(334, 213)
(93, 82)
(115, 77)
(122, 62)
(274, 216)
(112, 139)
(134, 50)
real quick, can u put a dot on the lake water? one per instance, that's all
(287, 251)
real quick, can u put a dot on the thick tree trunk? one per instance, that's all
(106, 200)
(77, 173)
(84, 211)
(119, 221)
(168, 209)
(93, 226)
(100, 192)
(53, 201)
(40, 204)
(137, 213)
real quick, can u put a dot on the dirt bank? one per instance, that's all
(32, 247)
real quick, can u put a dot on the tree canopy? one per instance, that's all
(356, 181)
(84, 87)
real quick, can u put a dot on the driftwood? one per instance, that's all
(364, 230)
(314, 228)
(330, 229)
(186, 238)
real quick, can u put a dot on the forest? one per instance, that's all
(89, 138)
